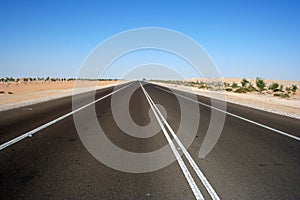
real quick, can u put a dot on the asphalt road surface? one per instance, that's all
(248, 161)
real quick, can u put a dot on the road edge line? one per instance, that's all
(33, 131)
(233, 115)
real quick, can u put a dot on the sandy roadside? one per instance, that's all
(22, 94)
(287, 107)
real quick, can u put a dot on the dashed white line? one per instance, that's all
(30, 133)
(234, 115)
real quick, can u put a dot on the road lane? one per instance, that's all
(54, 164)
(248, 162)
(19, 120)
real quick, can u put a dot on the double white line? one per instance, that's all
(163, 122)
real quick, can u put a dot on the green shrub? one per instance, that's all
(274, 87)
(288, 89)
(260, 83)
(282, 95)
(244, 82)
(241, 90)
(294, 88)
(234, 85)
(251, 88)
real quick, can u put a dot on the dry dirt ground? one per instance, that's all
(14, 94)
(263, 101)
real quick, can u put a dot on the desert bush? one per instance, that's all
(260, 83)
(251, 88)
(10, 92)
(288, 89)
(2, 92)
(294, 88)
(281, 88)
(274, 87)
(234, 85)
(228, 89)
(282, 95)
(241, 90)
(244, 82)
(226, 84)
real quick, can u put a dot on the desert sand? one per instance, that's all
(13, 94)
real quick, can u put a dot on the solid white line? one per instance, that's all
(234, 115)
(199, 173)
(183, 167)
(30, 133)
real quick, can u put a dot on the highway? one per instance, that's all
(259, 160)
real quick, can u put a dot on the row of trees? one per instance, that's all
(11, 79)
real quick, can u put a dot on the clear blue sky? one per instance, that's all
(244, 38)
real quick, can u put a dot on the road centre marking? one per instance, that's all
(183, 167)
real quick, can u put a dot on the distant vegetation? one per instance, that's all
(48, 79)
(260, 84)
(8, 81)
(245, 86)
